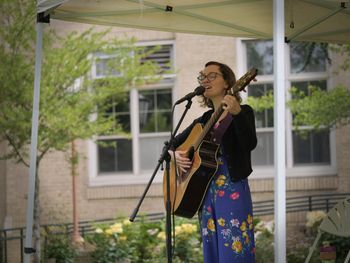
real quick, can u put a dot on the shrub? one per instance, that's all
(144, 242)
(58, 245)
(264, 242)
(188, 248)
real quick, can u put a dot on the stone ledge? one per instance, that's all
(297, 184)
(256, 185)
(123, 191)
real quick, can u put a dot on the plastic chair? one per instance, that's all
(337, 222)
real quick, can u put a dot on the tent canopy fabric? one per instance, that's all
(305, 20)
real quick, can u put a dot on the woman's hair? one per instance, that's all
(229, 78)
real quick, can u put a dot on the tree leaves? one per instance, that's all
(321, 109)
(262, 103)
(72, 104)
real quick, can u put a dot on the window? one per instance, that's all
(102, 68)
(145, 117)
(303, 149)
(263, 154)
(260, 56)
(116, 155)
(155, 124)
(115, 152)
(155, 110)
(312, 147)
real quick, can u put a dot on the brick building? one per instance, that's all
(111, 181)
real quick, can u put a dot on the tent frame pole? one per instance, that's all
(279, 131)
(28, 249)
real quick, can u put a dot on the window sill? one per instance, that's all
(259, 172)
(123, 186)
(132, 186)
(125, 179)
(262, 172)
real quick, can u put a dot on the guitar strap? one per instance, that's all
(218, 131)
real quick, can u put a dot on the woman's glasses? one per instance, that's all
(211, 76)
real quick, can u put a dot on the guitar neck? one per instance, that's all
(214, 118)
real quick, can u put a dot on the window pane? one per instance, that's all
(104, 67)
(120, 109)
(162, 56)
(307, 57)
(263, 153)
(260, 56)
(263, 118)
(304, 85)
(312, 147)
(115, 156)
(150, 151)
(164, 99)
(155, 110)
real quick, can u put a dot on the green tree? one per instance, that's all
(324, 109)
(261, 103)
(319, 109)
(72, 105)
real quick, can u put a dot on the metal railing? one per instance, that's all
(260, 208)
(300, 203)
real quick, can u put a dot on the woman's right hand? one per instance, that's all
(182, 161)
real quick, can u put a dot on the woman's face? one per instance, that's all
(211, 78)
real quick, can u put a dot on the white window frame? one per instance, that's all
(136, 176)
(260, 171)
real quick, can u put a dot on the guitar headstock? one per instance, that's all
(243, 81)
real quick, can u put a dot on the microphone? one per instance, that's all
(198, 91)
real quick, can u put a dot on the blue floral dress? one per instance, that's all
(226, 220)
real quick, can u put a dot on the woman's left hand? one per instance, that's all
(231, 104)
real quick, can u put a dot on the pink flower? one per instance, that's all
(221, 193)
(234, 195)
(209, 208)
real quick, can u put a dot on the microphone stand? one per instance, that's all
(165, 156)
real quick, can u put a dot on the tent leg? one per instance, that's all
(28, 249)
(279, 131)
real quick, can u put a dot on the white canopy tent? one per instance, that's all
(306, 20)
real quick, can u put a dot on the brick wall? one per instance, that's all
(342, 134)
(17, 188)
(2, 186)
(343, 158)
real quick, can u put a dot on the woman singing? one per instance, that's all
(226, 217)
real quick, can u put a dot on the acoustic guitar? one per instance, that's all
(187, 190)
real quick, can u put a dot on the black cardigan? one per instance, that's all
(237, 143)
